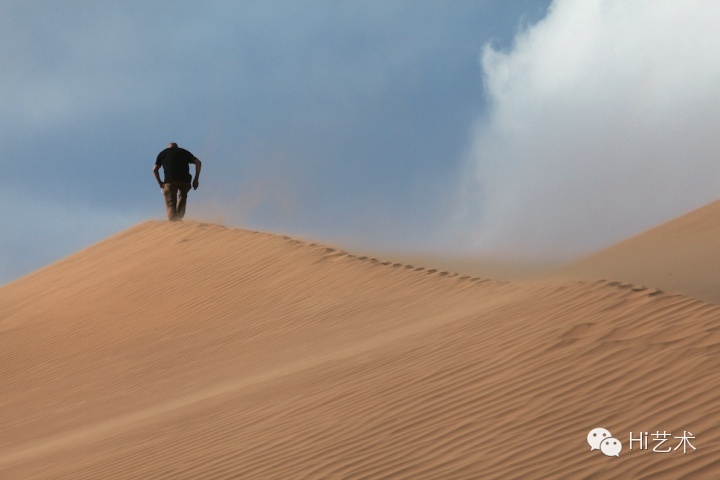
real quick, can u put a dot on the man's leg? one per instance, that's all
(183, 189)
(170, 191)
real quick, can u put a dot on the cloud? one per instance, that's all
(603, 123)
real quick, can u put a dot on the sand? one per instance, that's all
(682, 255)
(197, 351)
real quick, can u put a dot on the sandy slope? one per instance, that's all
(509, 269)
(682, 255)
(195, 351)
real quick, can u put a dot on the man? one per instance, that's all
(176, 166)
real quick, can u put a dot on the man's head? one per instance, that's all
(172, 145)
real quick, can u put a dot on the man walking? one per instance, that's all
(175, 162)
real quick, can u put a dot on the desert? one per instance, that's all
(255, 355)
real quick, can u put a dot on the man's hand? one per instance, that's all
(156, 169)
(162, 185)
(198, 166)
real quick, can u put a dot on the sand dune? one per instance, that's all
(682, 255)
(195, 351)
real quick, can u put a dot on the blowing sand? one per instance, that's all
(195, 351)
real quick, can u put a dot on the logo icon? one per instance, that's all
(601, 439)
(611, 447)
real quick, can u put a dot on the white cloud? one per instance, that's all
(603, 123)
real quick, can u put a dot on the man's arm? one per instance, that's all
(156, 169)
(198, 166)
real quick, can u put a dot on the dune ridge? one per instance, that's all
(198, 351)
(681, 255)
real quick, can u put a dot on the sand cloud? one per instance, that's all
(602, 124)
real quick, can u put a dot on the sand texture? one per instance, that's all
(682, 255)
(194, 351)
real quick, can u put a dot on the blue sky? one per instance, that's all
(476, 126)
(335, 119)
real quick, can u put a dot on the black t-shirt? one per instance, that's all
(176, 164)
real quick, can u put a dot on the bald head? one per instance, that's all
(172, 145)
